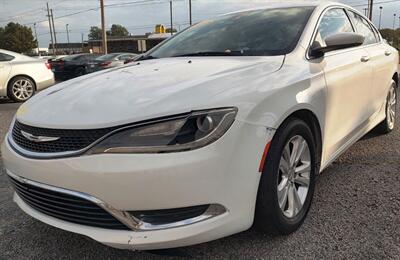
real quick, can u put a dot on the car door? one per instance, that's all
(5, 69)
(378, 58)
(348, 80)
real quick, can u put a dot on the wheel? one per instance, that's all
(21, 89)
(388, 124)
(287, 183)
(80, 72)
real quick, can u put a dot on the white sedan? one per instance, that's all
(21, 76)
(224, 125)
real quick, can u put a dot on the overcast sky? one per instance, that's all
(139, 16)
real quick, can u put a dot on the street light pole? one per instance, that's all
(380, 16)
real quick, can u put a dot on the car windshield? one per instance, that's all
(250, 33)
(107, 56)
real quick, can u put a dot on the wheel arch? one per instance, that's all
(311, 119)
(396, 79)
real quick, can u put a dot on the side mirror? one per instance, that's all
(334, 42)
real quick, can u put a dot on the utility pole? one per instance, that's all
(50, 27)
(365, 11)
(170, 13)
(82, 42)
(54, 30)
(394, 24)
(371, 6)
(190, 13)
(380, 16)
(66, 27)
(103, 27)
(37, 40)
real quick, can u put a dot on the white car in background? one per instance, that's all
(21, 76)
(224, 125)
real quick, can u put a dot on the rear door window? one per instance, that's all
(5, 57)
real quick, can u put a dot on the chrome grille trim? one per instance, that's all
(125, 217)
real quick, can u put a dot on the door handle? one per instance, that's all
(387, 53)
(364, 59)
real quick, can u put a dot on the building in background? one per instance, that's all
(133, 44)
(68, 48)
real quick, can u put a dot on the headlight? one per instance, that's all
(182, 133)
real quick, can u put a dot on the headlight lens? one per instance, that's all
(183, 133)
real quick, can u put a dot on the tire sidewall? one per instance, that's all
(268, 194)
(10, 93)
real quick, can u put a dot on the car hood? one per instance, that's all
(145, 90)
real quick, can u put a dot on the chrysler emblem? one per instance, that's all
(38, 139)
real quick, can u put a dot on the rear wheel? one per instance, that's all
(387, 125)
(21, 88)
(287, 183)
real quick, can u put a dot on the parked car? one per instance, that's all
(111, 60)
(72, 66)
(225, 123)
(21, 76)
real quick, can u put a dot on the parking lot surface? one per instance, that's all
(355, 214)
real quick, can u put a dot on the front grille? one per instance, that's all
(69, 140)
(66, 207)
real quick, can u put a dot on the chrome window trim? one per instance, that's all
(345, 9)
(123, 216)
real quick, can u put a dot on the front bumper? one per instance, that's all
(223, 173)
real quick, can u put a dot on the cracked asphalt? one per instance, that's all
(355, 215)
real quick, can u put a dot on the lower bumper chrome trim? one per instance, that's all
(125, 217)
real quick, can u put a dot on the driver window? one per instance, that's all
(333, 21)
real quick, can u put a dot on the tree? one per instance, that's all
(17, 37)
(118, 30)
(94, 33)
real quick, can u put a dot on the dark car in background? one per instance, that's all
(110, 61)
(72, 66)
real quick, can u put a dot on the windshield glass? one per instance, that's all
(250, 33)
(107, 56)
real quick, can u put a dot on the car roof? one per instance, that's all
(17, 56)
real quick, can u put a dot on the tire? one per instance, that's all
(20, 89)
(389, 123)
(270, 217)
(79, 72)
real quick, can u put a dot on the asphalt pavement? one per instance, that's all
(355, 215)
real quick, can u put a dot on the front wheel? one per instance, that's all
(288, 179)
(387, 125)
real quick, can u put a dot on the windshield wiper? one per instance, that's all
(211, 53)
(146, 57)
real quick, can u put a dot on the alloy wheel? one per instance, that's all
(391, 107)
(22, 89)
(294, 176)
